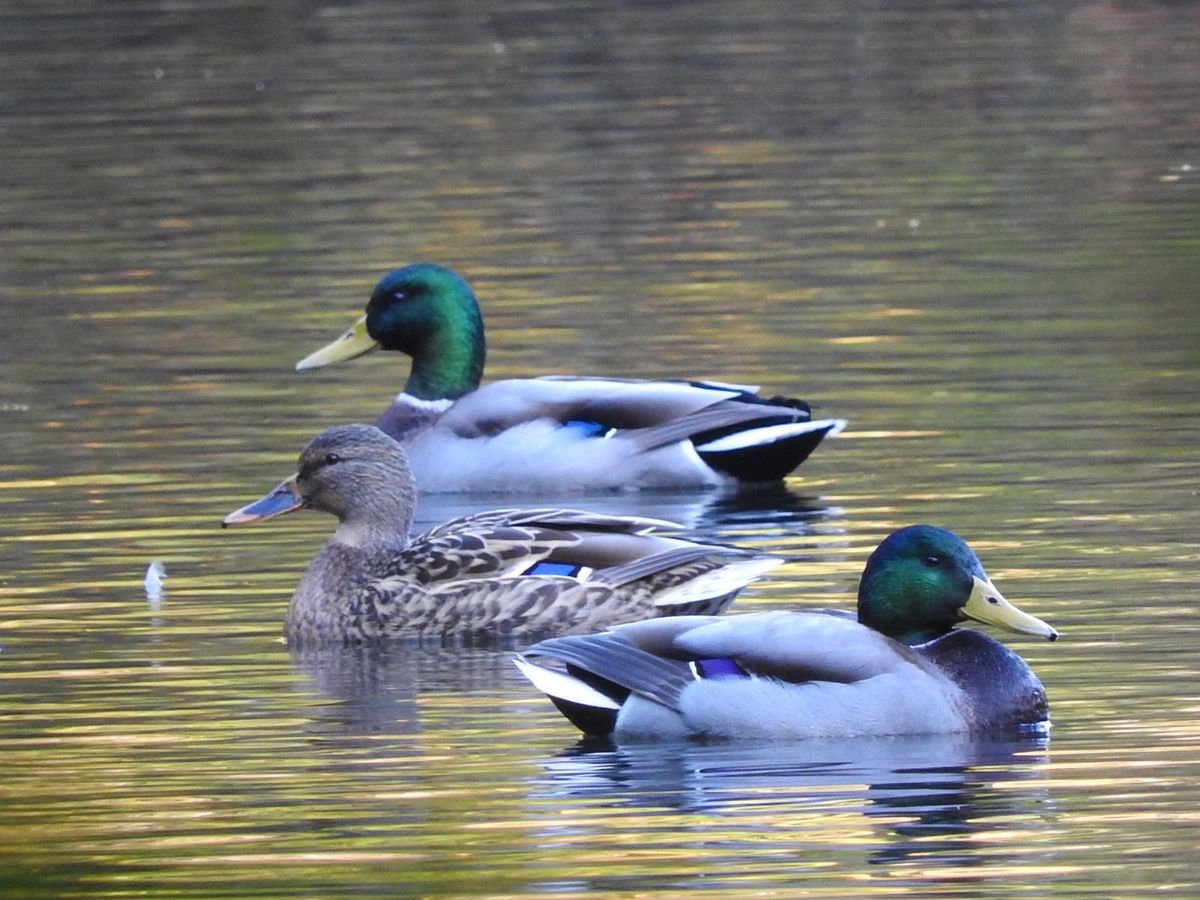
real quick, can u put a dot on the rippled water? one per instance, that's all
(971, 230)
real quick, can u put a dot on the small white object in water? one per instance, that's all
(155, 575)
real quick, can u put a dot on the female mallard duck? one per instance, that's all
(511, 572)
(899, 669)
(530, 433)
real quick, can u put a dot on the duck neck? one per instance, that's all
(902, 611)
(449, 363)
(378, 526)
(370, 538)
(361, 548)
(914, 636)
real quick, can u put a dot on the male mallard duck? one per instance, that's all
(518, 572)
(524, 434)
(898, 669)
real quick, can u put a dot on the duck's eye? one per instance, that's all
(332, 458)
(399, 295)
(933, 561)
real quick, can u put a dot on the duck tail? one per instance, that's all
(763, 450)
(691, 579)
(713, 587)
(591, 709)
(601, 672)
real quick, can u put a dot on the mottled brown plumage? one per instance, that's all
(478, 575)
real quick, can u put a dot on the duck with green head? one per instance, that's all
(506, 573)
(901, 667)
(555, 431)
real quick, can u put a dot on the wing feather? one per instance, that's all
(615, 402)
(526, 607)
(800, 646)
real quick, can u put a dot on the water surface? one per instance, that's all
(972, 231)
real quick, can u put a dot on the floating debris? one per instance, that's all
(155, 575)
(1176, 173)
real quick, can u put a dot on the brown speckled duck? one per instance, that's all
(504, 573)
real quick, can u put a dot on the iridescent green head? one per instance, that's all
(428, 312)
(922, 581)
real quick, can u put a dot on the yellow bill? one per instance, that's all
(354, 342)
(987, 605)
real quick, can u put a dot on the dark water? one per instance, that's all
(970, 229)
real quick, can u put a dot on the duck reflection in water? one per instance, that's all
(378, 689)
(933, 797)
(767, 513)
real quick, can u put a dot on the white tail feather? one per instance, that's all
(563, 686)
(769, 434)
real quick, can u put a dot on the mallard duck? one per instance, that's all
(900, 668)
(532, 433)
(507, 572)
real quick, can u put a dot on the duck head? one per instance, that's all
(922, 581)
(354, 472)
(428, 312)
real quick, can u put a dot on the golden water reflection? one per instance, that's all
(970, 230)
